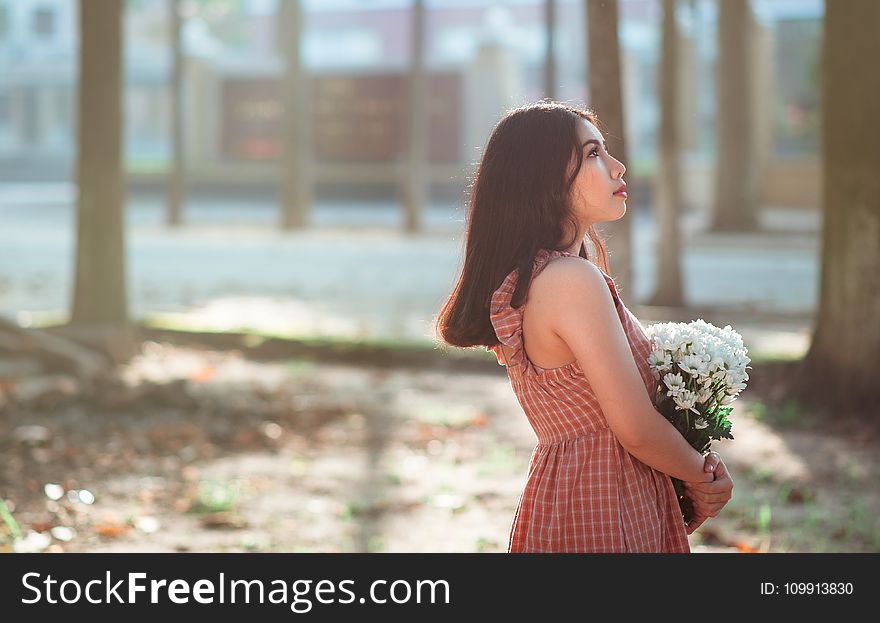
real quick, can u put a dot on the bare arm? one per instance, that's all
(580, 310)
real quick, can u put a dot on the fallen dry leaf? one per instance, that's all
(203, 374)
(42, 525)
(480, 420)
(111, 529)
(223, 520)
(745, 548)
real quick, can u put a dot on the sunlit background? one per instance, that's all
(286, 392)
(480, 58)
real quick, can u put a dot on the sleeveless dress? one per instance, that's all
(584, 491)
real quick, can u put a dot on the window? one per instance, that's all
(4, 20)
(5, 109)
(797, 109)
(44, 22)
(342, 46)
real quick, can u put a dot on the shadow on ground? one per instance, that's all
(208, 450)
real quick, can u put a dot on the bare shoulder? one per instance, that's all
(570, 278)
(571, 295)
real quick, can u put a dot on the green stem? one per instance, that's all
(9, 520)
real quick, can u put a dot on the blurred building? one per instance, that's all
(482, 56)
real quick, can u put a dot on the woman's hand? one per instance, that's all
(709, 498)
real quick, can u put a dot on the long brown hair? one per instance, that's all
(519, 202)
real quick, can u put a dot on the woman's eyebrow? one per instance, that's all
(592, 140)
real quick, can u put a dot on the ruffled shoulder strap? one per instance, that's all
(507, 320)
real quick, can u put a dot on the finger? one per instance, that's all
(719, 485)
(703, 507)
(707, 510)
(712, 459)
(695, 523)
(721, 472)
(714, 509)
(702, 512)
(703, 494)
(705, 504)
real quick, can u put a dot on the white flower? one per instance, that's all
(700, 423)
(734, 389)
(660, 360)
(700, 362)
(674, 382)
(703, 394)
(685, 400)
(735, 376)
(684, 341)
(666, 341)
(693, 365)
(720, 375)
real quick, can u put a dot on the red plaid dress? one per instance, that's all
(584, 492)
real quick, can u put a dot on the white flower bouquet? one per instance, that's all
(700, 371)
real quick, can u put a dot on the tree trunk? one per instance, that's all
(839, 371)
(736, 172)
(669, 291)
(176, 174)
(415, 190)
(549, 53)
(100, 307)
(296, 191)
(607, 100)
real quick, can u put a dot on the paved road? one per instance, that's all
(353, 273)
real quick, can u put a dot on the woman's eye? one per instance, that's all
(593, 153)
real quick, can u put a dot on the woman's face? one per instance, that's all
(601, 175)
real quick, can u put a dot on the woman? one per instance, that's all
(576, 357)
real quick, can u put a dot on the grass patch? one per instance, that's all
(788, 413)
(485, 544)
(809, 525)
(357, 351)
(761, 474)
(173, 322)
(763, 518)
(11, 530)
(215, 497)
(46, 320)
(254, 337)
(379, 350)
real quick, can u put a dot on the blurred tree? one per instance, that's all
(100, 306)
(549, 55)
(606, 99)
(839, 370)
(296, 188)
(415, 184)
(668, 184)
(176, 182)
(736, 174)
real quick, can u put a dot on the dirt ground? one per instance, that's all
(216, 452)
